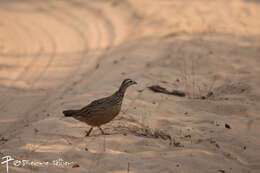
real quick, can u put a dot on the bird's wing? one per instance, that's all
(98, 102)
(94, 105)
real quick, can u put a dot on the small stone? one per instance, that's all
(187, 136)
(203, 97)
(198, 141)
(3, 139)
(212, 141)
(36, 130)
(217, 146)
(227, 126)
(75, 165)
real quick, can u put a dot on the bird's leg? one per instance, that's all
(103, 133)
(88, 133)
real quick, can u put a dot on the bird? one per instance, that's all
(103, 110)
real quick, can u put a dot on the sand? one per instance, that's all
(57, 55)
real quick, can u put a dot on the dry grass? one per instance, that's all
(194, 87)
(137, 128)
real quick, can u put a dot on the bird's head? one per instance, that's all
(126, 83)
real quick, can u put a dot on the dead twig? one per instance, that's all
(157, 88)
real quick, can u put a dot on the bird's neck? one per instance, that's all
(122, 90)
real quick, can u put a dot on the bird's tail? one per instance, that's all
(70, 113)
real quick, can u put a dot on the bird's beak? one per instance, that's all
(134, 82)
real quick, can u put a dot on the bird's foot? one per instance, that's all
(88, 132)
(103, 133)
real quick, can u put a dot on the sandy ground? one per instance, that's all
(57, 55)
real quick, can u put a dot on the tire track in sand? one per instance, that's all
(30, 118)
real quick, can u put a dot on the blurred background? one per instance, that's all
(62, 54)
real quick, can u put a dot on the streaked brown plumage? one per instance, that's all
(103, 110)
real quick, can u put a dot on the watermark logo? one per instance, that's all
(6, 160)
